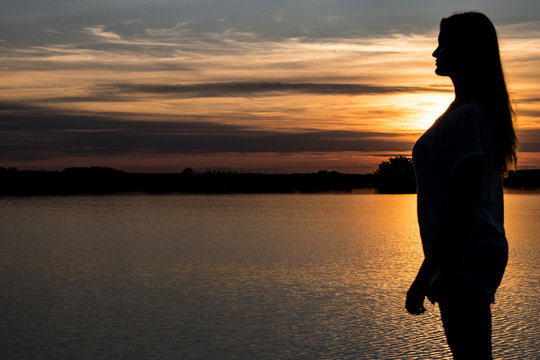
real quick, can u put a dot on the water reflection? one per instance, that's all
(265, 276)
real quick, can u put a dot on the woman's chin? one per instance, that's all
(441, 72)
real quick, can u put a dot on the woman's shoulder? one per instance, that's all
(462, 119)
(468, 109)
(465, 115)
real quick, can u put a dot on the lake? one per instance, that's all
(301, 276)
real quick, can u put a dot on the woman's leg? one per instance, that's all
(466, 317)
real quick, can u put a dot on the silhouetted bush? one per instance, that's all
(396, 175)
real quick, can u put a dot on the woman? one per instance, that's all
(459, 163)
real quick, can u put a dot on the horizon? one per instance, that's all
(268, 88)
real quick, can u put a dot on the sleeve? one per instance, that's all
(470, 136)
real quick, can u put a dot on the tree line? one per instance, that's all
(394, 175)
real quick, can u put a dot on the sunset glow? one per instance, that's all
(247, 92)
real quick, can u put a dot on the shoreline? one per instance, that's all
(104, 181)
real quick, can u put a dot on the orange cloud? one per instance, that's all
(238, 78)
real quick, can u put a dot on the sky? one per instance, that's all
(257, 86)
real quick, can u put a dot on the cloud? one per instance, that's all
(180, 29)
(134, 92)
(529, 140)
(99, 31)
(529, 113)
(31, 132)
(177, 37)
(234, 89)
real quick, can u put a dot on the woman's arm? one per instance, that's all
(464, 183)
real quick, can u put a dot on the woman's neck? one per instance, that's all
(458, 89)
(463, 90)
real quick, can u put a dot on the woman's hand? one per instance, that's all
(419, 288)
(415, 300)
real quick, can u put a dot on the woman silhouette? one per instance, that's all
(459, 162)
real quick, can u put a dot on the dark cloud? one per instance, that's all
(246, 88)
(131, 92)
(35, 64)
(527, 100)
(529, 140)
(27, 132)
(126, 92)
(528, 113)
(22, 20)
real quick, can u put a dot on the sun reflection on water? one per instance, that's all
(255, 276)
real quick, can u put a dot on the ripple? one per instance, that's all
(254, 277)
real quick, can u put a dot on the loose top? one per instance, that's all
(462, 131)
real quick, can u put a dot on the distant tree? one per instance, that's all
(8, 170)
(327, 173)
(396, 175)
(529, 178)
(187, 171)
(93, 171)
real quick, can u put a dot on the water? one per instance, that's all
(237, 277)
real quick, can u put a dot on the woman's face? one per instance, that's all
(445, 64)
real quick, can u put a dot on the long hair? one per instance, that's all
(472, 39)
